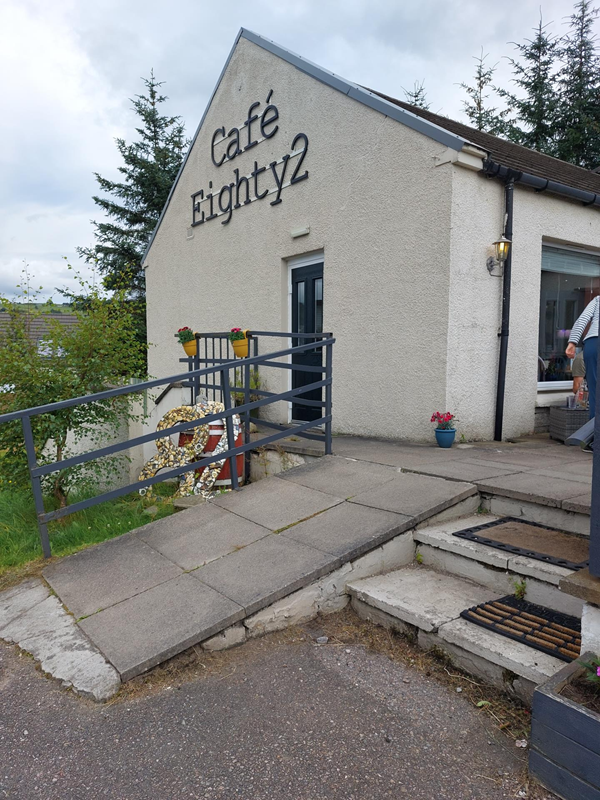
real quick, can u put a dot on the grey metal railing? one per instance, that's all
(195, 378)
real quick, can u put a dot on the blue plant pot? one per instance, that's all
(445, 438)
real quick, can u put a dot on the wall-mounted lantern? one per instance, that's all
(501, 248)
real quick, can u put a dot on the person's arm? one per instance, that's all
(579, 327)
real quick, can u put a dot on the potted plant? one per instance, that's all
(565, 730)
(187, 338)
(239, 342)
(445, 431)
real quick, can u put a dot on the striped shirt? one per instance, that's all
(590, 312)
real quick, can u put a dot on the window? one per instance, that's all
(570, 279)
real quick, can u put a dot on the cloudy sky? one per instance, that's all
(69, 66)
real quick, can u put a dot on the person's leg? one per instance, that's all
(590, 356)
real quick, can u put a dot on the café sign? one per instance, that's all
(268, 179)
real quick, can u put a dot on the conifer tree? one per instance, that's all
(480, 115)
(150, 166)
(535, 110)
(417, 96)
(579, 90)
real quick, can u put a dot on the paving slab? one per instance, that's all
(201, 534)
(521, 459)
(458, 470)
(581, 504)
(417, 496)
(420, 596)
(155, 625)
(506, 653)
(108, 573)
(50, 635)
(349, 530)
(395, 454)
(275, 503)
(340, 476)
(562, 474)
(19, 599)
(532, 488)
(266, 571)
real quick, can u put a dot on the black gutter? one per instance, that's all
(494, 170)
(501, 383)
(511, 176)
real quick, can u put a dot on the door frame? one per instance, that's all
(296, 262)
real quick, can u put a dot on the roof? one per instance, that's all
(510, 154)
(441, 129)
(40, 325)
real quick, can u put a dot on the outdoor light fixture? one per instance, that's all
(501, 246)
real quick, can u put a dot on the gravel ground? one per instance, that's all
(278, 718)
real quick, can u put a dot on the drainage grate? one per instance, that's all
(555, 545)
(542, 628)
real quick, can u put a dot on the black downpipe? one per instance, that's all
(508, 234)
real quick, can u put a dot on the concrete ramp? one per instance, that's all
(150, 594)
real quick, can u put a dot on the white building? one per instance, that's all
(384, 215)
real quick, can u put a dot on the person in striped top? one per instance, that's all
(589, 316)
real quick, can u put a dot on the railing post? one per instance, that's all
(36, 486)
(328, 405)
(246, 422)
(229, 427)
(196, 381)
(594, 558)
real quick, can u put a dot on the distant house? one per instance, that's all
(39, 331)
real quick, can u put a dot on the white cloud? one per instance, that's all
(70, 67)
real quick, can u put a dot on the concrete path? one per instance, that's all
(156, 591)
(35, 621)
(280, 718)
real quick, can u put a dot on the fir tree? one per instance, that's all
(535, 112)
(417, 96)
(480, 115)
(150, 166)
(579, 90)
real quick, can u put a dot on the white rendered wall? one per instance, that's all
(476, 297)
(378, 208)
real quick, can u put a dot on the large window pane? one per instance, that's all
(569, 281)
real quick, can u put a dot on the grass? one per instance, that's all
(20, 548)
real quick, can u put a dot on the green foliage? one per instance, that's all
(482, 116)
(520, 587)
(592, 672)
(150, 166)
(20, 539)
(534, 111)
(100, 351)
(417, 96)
(579, 90)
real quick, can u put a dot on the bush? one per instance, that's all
(99, 352)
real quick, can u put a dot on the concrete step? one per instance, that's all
(498, 570)
(425, 605)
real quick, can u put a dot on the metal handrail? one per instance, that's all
(223, 369)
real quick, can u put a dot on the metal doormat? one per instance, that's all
(546, 630)
(522, 538)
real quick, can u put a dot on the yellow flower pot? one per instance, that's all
(190, 347)
(240, 347)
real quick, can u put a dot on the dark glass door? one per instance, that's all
(307, 317)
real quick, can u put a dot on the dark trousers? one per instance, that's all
(590, 356)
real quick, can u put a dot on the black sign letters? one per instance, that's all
(226, 146)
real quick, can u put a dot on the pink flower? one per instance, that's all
(598, 671)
